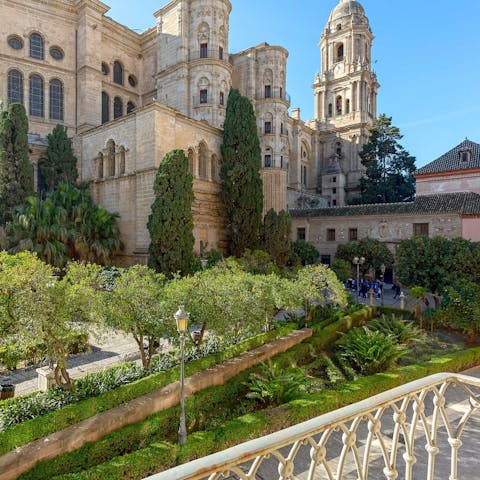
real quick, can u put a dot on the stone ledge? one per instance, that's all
(22, 459)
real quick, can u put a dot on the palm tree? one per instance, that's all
(65, 225)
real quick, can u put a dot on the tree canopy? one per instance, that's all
(171, 222)
(242, 189)
(16, 171)
(275, 237)
(389, 167)
(66, 225)
(375, 253)
(436, 263)
(61, 164)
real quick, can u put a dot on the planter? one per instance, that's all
(7, 390)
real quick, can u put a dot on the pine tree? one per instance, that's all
(61, 164)
(389, 167)
(16, 171)
(276, 233)
(242, 189)
(171, 222)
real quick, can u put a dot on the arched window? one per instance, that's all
(347, 106)
(56, 100)
(202, 161)
(340, 50)
(37, 49)
(117, 107)
(110, 159)
(338, 149)
(130, 107)
(121, 167)
(100, 165)
(118, 73)
(15, 86)
(36, 96)
(191, 161)
(338, 105)
(105, 107)
(267, 158)
(214, 168)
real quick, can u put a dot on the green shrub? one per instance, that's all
(460, 308)
(274, 385)
(405, 333)
(261, 423)
(58, 419)
(303, 253)
(370, 351)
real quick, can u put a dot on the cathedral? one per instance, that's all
(128, 98)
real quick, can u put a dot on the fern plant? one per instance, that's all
(274, 385)
(406, 333)
(370, 351)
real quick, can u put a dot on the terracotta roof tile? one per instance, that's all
(452, 160)
(465, 203)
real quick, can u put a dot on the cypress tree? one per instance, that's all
(242, 189)
(16, 172)
(61, 164)
(171, 222)
(276, 236)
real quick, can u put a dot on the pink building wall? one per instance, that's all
(471, 228)
(468, 181)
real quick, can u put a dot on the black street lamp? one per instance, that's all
(181, 317)
(382, 279)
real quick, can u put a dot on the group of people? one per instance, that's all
(364, 286)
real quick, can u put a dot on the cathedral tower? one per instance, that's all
(345, 98)
(194, 72)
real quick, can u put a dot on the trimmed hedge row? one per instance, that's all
(163, 426)
(31, 430)
(154, 458)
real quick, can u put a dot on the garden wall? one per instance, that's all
(24, 458)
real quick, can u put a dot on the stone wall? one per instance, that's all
(147, 136)
(389, 229)
(449, 182)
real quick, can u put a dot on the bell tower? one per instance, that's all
(345, 94)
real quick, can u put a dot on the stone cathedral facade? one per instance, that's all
(128, 98)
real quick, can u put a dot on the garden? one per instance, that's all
(235, 306)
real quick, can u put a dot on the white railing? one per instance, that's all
(403, 433)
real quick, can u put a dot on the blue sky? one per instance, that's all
(427, 54)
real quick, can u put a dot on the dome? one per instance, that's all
(346, 8)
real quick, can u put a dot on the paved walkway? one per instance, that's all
(112, 349)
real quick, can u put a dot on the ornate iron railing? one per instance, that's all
(400, 433)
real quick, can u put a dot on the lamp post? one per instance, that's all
(181, 317)
(383, 268)
(358, 261)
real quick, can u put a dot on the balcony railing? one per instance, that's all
(275, 94)
(206, 54)
(402, 433)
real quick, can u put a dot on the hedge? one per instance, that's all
(65, 417)
(147, 461)
(163, 426)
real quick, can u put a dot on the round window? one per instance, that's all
(105, 69)
(57, 53)
(132, 81)
(15, 42)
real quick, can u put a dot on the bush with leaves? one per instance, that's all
(460, 308)
(303, 253)
(275, 385)
(370, 351)
(66, 225)
(405, 333)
